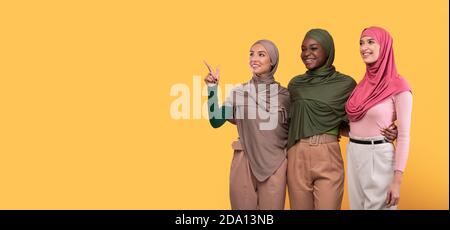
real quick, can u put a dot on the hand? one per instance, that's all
(390, 133)
(344, 129)
(393, 194)
(212, 78)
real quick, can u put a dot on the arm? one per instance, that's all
(403, 108)
(344, 129)
(217, 115)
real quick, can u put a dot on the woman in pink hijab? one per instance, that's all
(375, 167)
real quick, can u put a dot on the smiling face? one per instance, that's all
(259, 60)
(313, 54)
(369, 49)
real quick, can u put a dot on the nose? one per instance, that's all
(363, 47)
(253, 59)
(305, 53)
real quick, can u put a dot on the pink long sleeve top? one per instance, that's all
(397, 107)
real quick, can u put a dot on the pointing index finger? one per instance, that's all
(209, 67)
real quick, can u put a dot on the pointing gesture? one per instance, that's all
(213, 76)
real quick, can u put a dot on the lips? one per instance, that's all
(255, 66)
(309, 60)
(366, 54)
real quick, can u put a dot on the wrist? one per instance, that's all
(398, 176)
(212, 86)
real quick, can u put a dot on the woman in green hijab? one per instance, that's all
(315, 165)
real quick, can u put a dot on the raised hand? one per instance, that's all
(213, 76)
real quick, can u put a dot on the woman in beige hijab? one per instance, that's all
(259, 109)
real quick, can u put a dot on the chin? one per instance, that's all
(368, 60)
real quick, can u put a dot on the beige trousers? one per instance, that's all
(370, 171)
(247, 193)
(315, 174)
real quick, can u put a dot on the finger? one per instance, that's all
(216, 74)
(218, 71)
(388, 198)
(387, 135)
(393, 201)
(388, 131)
(397, 201)
(392, 126)
(392, 136)
(209, 79)
(209, 67)
(391, 139)
(384, 133)
(392, 131)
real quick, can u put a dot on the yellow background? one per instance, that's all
(84, 94)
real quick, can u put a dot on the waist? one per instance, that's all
(368, 128)
(367, 140)
(319, 139)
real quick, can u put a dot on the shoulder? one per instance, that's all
(294, 80)
(284, 91)
(403, 99)
(347, 78)
(238, 87)
(346, 81)
(405, 95)
(283, 98)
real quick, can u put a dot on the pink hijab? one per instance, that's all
(381, 79)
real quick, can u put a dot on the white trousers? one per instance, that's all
(370, 170)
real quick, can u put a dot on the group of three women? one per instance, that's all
(302, 147)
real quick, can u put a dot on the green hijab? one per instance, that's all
(318, 96)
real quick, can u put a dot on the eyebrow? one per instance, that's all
(261, 51)
(314, 44)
